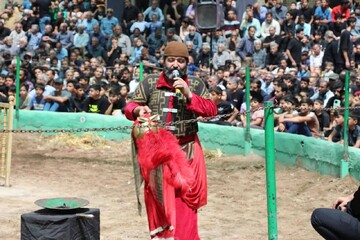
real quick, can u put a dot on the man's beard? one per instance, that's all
(169, 72)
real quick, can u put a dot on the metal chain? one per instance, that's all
(124, 128)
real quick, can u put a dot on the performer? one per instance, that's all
(172, 211)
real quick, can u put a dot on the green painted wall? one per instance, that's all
(291, 150)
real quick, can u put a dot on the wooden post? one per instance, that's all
(9, 141)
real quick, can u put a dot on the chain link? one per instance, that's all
(161, 125)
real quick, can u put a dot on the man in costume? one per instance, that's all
(174, 174)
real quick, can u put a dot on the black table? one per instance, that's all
(81, 223)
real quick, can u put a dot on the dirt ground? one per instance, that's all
(101, 172)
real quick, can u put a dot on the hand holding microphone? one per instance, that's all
(176, 74)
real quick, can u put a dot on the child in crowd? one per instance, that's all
(124, 91)
(95, 103)
(304, 123)
(223, 107)
(117, 103)
(322, 116)
(353, 130)
(38, 101)
(77, 98)
(256, 115)
(25, 99)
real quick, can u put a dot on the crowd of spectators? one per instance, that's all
(76, 56)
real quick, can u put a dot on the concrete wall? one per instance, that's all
(291, 150)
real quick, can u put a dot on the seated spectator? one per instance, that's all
(223, 107)
(117, 103)
(153, 25)
(81, 38)
(322, 116)
(174, 14)
(37, 101)
(24, 97)
(259, 55)
(256, 115)
(234, 95)
(58, 101)
(353, 130)
(108, 23)
(77, 98)
(153, 9)
(141, 24)
(94, 103)
(304, 123)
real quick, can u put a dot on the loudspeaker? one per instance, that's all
(209, 16)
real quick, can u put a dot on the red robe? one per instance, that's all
(179, 219)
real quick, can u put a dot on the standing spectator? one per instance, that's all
(330, 53)
(245, 49)
(49, 38)
(346, 45)
(108, 23)
(293, 50)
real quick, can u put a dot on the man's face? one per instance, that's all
(316, 50)
(251, 32)
(277, 92)
(273, 50)
(211, 82)
(322, 88)
(269, 18)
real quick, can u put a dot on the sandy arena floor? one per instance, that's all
(101, 172)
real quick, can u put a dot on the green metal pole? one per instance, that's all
(247, 147)
(270, 171)
(344, 167)
(141, 75)
(17, 94)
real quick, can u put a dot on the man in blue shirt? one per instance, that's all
(89, 22)
(108, 23)
(65, 37)
(153, 9)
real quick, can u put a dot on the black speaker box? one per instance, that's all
(209, 16)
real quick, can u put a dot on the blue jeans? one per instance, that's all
(298, 128)
(43, 22)
(51, 106)
(333, 224)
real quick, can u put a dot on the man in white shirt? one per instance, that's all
(316, 57)
(269, 22)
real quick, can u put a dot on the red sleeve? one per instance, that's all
(129, 109)
(202, 106)
(333, 13)
(347, 14)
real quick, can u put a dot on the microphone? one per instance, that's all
(176, 74)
